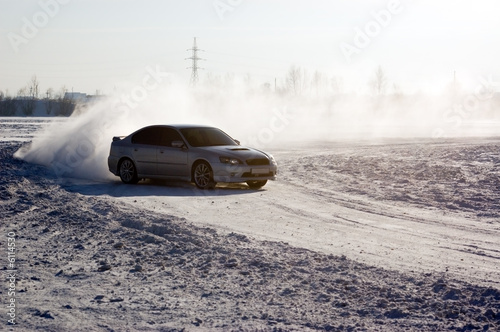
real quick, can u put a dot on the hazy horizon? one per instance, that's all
(90, 46)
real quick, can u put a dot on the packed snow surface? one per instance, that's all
(357, 235)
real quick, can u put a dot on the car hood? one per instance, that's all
(236, 151)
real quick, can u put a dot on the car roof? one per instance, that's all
(179, 126)
(186, 126)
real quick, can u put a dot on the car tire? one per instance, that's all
(203, 176)
(128, 172)
(256, 184)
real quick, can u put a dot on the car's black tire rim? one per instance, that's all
(127, 171)
(202, 175)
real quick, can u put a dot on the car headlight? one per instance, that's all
(231, 161)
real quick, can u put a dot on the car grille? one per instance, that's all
(258, 162)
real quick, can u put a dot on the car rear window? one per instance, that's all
(149, 136)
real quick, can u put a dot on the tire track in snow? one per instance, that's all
(437, 242)
(408, 239)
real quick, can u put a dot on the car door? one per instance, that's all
(144, 149)
(172, 161)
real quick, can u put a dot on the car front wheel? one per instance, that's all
(128, 173)
(256, 184)
(203, 176)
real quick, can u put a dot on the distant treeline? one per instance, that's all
(36, 107)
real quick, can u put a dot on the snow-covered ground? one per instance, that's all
(378, 235)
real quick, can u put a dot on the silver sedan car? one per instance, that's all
(200, 154)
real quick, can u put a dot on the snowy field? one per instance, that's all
(375, 235)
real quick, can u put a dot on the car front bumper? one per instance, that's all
(242, 173)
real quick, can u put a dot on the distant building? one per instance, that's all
(76, 96)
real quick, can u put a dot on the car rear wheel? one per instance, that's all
(128, 173)
(203, 176)
(256, 184)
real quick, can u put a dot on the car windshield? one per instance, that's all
(197, 137)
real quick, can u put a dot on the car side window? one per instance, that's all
(148, 136)
(168, 135)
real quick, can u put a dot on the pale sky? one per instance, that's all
(89, 45)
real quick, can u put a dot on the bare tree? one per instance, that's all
(49, 94)
(8, 106)
(295, 80)
(62, 92)
(34, 87)
(26, 103)
(337, 84)
(265, 87)
(397, 92)
(29, 95)
(65, 105)
(379, 82)
(229, 80)
(22, 92)
(49, 101)
(318, 82)
(248, 81)
(212, 80)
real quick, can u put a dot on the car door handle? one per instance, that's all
(161, 151)
(136, 150)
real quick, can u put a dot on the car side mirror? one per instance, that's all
(237, 142)
(178, 144)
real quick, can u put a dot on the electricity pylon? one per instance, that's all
(194, 67)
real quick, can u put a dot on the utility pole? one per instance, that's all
(194, 67)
